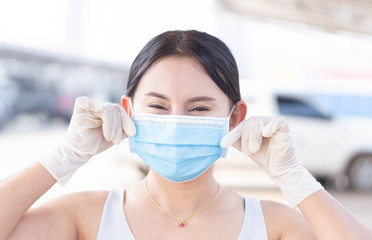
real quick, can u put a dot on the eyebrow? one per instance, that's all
(158, 95)
(194, 99)
(201, 98)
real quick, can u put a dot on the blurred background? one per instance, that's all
(310, 61)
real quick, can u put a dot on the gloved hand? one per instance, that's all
(269, 143)
(94, 127)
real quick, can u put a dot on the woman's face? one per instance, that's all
(179, 86)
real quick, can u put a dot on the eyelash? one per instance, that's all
(200, 109)
(156, 106)
(197, 109)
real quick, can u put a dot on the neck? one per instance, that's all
(182, 199)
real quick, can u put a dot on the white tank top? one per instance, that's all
(114, 225)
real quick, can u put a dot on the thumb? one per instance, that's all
(111, 126)
(116, 123)
(127, 123)
(231, 137)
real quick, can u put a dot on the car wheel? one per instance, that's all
(360, 172)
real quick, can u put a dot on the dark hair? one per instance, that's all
(212, 53)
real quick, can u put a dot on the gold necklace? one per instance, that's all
(182, 220)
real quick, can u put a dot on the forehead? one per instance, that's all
(178, 77)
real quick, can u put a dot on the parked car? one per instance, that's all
(8, 97)
(334, 149)
(34, 97)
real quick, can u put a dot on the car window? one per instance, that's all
(297, 107)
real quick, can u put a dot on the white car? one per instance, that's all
(331, 148)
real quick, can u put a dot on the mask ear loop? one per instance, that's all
(131, 138)
(131, 105)
(231, 111)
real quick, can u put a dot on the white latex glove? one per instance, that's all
(269, 143)
(94, 127)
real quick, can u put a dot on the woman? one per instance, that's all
(183, 96)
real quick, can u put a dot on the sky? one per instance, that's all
(116, 30)
(112, 30)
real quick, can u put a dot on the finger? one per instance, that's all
(278, 124)
(110, 125)
(251, 136)
(81, 104)
(127, 123)
(245, 139)
(96, 108)
(232, 136)
(118, 131)
(255, 135)
(81, 116)
(89, 106)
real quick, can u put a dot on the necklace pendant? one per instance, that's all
(182, 224)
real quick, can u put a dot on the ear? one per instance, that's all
(238, 114)
(126, 104)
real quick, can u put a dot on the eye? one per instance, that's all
(157, 106)
(200, 109)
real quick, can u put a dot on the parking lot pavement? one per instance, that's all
(117, 168)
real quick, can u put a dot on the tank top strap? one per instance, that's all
(114, 224)
(254, 226)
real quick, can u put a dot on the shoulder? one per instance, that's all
(283, 222)
(71, 216)
(77, 208)
(77, 201)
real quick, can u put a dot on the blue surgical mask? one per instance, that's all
(178, 147)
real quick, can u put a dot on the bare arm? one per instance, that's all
(17, 194)
(330, 220)
(269, 143)
(325, 218)
(282, 222)
(94, 127)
